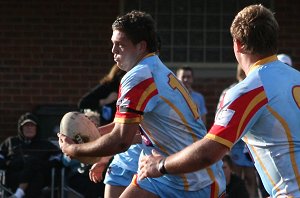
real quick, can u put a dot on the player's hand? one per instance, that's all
(148, 165)
(96, 171)
(65, 144)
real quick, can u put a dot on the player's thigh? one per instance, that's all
(133, 191)
(113, 191)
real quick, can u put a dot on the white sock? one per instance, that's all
(19, 193)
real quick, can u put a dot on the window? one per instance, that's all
(193, 31)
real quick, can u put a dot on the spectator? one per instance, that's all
(103, 97)
(285, 59)
(186, 76)
(235, 186)
(94, 116)
(26, 159)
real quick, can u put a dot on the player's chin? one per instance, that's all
(122, 66)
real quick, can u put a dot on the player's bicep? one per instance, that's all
(106, 128)
(126, 132)
(215, 154)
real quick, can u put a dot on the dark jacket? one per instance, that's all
(15, 150)
(236, 188)
(28, 160)
(91, 101)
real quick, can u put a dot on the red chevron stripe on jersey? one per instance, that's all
(140, 94)
(243, 108)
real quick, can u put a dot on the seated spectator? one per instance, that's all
(235, 186)
(26, 158)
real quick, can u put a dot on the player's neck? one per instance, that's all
(143, 56)
(249, 60)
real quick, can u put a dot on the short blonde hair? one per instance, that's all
(94, 116)
(257, 29)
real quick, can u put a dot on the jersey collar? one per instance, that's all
(146, 56)
(262, 62)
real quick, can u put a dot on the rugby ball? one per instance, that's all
(80, 129)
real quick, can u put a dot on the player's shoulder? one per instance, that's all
(138, 70)
(137, 74)
(248, 85)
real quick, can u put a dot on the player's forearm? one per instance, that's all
(117, 141)
(104, 146)
(195, 157)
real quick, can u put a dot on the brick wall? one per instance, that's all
(288, 17)
(52, 52)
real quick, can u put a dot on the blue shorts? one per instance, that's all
(165, 191)
(240, 156)
(117, 176)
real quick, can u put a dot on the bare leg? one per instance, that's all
(113, 191)
(133, 191)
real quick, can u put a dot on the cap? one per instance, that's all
(285, 58)
(28, 120)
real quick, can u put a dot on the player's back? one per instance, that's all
(175, 114)
(173, 123)
(275, 139)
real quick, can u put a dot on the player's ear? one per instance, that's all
(142, 46)
(239, 46)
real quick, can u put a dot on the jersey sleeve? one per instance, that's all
(237, 115)
(138, 94)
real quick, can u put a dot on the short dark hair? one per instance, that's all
(186, 68)
(228, 159)
(138, 26)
